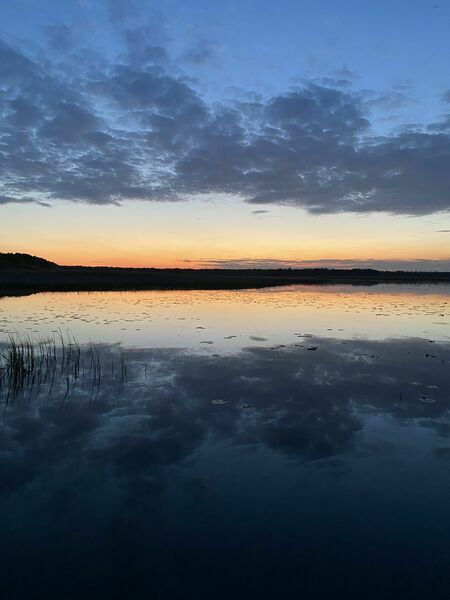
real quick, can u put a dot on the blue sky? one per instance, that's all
(263, 47)
(328, 108)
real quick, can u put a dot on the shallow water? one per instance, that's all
(263, 444)
(232, 320)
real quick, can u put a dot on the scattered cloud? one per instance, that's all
(345, 73)
(120, 12)
(59, 37)
(88, 129)
(203, 51)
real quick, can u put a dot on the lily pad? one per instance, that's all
(427, 399)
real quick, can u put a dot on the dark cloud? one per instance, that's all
(101, 132)
(24, 113)
(13, 200)
(70, 124)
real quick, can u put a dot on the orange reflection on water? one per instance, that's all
(228, 320)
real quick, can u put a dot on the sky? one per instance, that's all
(241, 133)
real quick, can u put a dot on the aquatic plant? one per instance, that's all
(56, 365)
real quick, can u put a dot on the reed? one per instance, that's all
(58, 364)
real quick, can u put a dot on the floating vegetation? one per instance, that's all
(427, 399)
(58, 365)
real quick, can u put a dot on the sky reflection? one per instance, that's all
(258, 469)
(304, 403)
(232, 320)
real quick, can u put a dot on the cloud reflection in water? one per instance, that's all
(162, 468)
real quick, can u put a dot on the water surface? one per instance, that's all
(262, 444)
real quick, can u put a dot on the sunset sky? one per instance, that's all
(241, 133)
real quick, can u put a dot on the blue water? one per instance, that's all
(317, 468)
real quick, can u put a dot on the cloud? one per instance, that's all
(93, 130)
(345, 73)
(393, 100)
(204, 51)
(350, 263)
(121, 12)
(59, 37)
(144, 46)
(12, 200)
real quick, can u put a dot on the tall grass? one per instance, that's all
(56, 365)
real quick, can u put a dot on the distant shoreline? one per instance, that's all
(67, 279)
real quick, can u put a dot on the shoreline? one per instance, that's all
(73, 279)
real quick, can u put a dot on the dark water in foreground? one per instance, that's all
(268, 444)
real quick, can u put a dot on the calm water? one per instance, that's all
(279, 443)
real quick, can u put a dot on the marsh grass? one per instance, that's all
(58, 365)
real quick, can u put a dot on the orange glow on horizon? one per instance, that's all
(186, 234)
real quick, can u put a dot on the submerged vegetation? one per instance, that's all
(59, 364)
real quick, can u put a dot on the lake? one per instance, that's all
(277, 443)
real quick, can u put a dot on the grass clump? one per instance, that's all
(56, 365)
